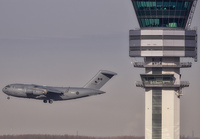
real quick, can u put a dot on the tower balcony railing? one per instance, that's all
(160, 64)
(147, 84)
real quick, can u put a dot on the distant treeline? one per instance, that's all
(63, 137)
(72, 137)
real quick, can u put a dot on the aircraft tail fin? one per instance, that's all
(101, 78)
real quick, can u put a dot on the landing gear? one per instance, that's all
(8, 97)
(50, 101)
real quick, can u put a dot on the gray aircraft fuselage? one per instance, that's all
(40, 92)
(50, 94)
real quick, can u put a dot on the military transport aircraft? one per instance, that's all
(50, 94)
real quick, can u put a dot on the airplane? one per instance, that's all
(50, 94)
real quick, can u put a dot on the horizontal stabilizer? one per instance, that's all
(100, 79)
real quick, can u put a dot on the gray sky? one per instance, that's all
(65, 43)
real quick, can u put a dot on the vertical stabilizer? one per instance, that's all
(100, 79)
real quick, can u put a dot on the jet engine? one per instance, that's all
(38, 91)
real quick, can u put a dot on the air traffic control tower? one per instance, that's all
(164, 37)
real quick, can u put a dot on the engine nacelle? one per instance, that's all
(39, 92)
(36, 91)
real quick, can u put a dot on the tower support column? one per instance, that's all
(162, 50)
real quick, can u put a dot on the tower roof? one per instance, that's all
(162, 13)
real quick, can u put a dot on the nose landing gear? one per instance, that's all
(8, 97)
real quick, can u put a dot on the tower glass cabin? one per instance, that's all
(162, 13)
(163, 38)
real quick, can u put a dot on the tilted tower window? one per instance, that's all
(161, 13)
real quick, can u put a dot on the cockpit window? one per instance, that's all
(8, 86)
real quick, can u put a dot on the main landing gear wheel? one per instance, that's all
(50, 101)
(45, 101)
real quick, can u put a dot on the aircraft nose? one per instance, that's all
(4, 90)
